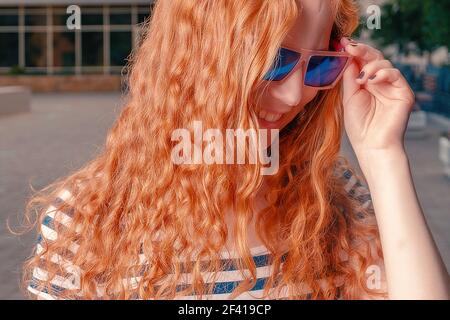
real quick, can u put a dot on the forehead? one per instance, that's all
(312, 29)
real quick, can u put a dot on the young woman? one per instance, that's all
(132, 224)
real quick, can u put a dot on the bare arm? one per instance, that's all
(414, 268)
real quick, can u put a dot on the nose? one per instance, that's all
(289, 92)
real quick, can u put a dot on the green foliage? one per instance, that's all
(362, 24)
(16, 70)
(423, 22)
(437, 23)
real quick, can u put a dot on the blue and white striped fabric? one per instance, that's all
(228, 279)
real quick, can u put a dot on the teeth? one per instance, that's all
(262, 114)
(269, 116)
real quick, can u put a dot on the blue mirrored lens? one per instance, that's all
(283, 64)
(324, 70)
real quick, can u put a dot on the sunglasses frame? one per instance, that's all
(305, 57)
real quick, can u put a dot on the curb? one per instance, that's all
(14, 99)
(439, 119)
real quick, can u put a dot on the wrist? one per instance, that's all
(374, 163)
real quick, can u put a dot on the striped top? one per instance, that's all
(226, 280)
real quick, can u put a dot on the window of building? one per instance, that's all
(120, 16)
(37, 38)
(9, 57)
(64, 49)
(92, 48)
(121, 45)
(36, 50)
(60, 16)
(35, 16)
(9, 17)
(91, 16)
(144, 12)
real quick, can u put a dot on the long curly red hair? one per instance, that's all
(203, 60)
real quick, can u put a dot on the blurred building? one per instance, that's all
(36, 41)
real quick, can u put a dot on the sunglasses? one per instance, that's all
(323, 68)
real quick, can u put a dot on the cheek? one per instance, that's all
(308, 94)
(285, 96)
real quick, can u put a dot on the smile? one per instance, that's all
(269, 116)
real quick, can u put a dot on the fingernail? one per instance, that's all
(354, 44)
(361, 75)
(373, 77)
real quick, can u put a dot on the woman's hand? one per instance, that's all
(377, 101)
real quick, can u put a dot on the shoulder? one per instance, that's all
(55, 272)
(354, 185)
(57, 215)
(356, 188)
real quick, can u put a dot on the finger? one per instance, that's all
(389, 75)
(349, 84)
(370, 69)
(363, 53)
(346, 41)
